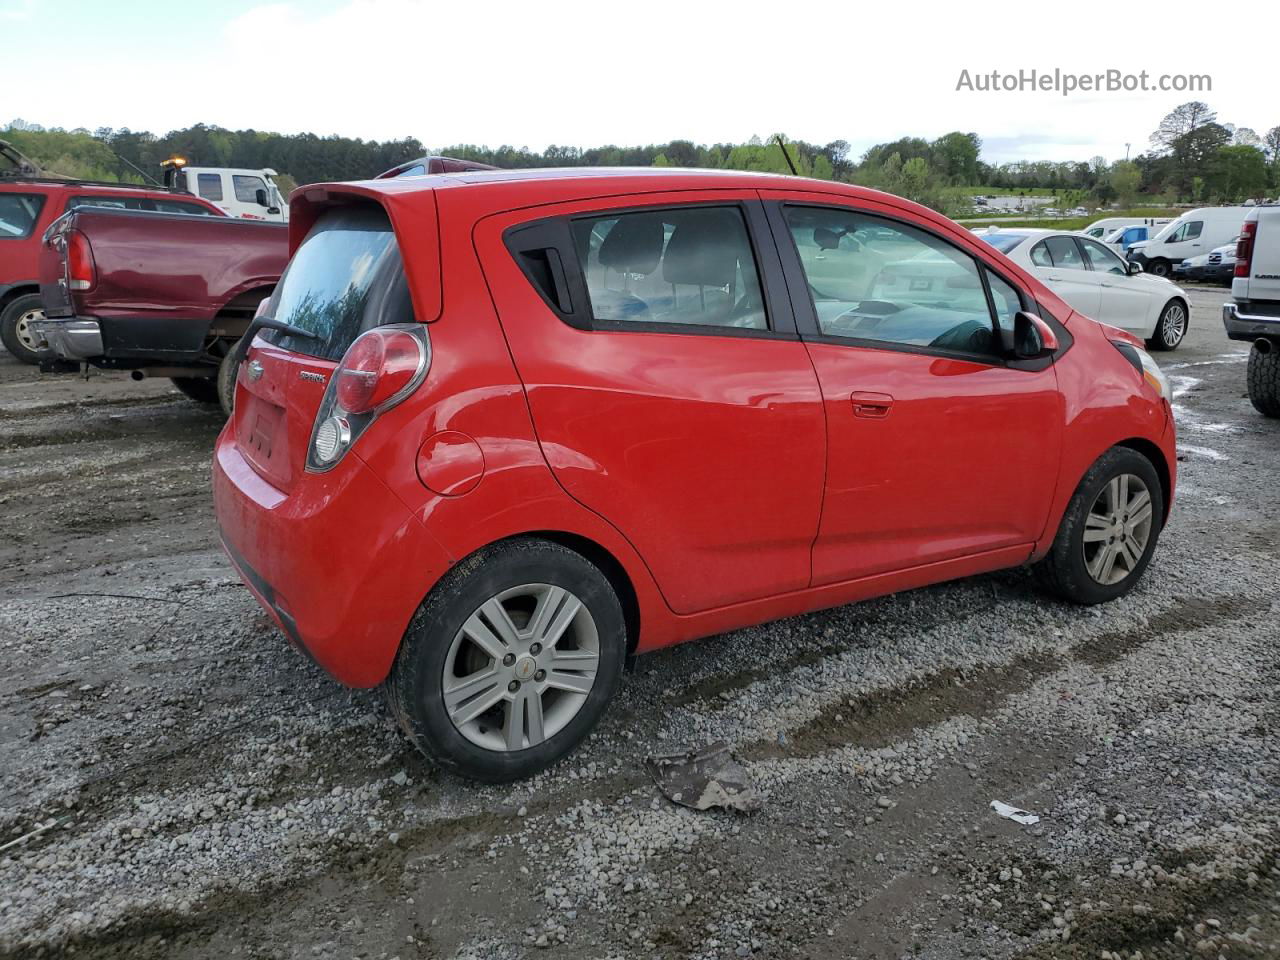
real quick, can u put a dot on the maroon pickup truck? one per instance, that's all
(160, 294)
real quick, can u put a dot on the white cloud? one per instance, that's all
(585, 73)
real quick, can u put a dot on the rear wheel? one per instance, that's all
(16, 330)
(228, 370)
(1109, 531)
(1264, 380)
(510, 662)
(1170, 328)
(199, 389)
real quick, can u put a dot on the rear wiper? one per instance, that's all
(270, 323)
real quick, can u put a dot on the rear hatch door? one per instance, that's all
(335, 288)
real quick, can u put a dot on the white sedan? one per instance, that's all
(1096, 282)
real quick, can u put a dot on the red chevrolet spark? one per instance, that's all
(498, 431)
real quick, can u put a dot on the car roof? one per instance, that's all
(38, 184)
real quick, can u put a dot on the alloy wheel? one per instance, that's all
(1173, 324)
(1117, 529)
(521, 667)
(26, 335)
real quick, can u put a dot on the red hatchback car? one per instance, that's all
(498, 431)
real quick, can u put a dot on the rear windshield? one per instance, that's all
(346, 278)
(1004, 242)
(18, 213)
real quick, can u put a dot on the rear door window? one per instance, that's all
(209, 186)
(346, 277)
(18, 214)
(692, 266)
(1065, 253)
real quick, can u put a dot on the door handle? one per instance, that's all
(1054, 279)
(872, 406)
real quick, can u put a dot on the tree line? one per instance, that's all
(1192, 156)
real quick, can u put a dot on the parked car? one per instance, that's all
(28, 204)
(423, 166)
(1095, 281)
(158, 295)
(506, 429)
(1193, 233)
(1253, 313)
(1191, 268)
(1100, 229)
(1122, 239)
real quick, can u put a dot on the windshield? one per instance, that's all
(347, 277)
(1004, 242)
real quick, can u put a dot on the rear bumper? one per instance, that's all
(70, 339)
(1242, 325)
(339, 563)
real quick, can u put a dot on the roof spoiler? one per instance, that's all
(424, 166)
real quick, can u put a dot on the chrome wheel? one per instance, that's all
(26, 335)
(521, 667)
(1117, 529)
(1173, 325)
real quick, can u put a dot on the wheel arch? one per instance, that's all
(1156, 456)
(10, 294)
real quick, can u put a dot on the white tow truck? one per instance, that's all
(1253, 313)
(242, 193)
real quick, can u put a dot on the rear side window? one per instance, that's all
(691, 266)
(18, 214)
(886, 282)
(346, 277)
(177, 206)
(209, 186)
(139, 203)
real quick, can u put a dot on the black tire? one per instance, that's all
(199, 389)
(1063, 570)
(18, 312)
(415, 687)
(1172, 327)
(1159, 267)
(228, 370)
(1264, 380)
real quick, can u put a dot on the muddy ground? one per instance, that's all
(208, 793)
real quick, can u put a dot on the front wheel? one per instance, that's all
(16, 327)
(1170, 328)
(1109, 531)
(510, 661)
(1159, 268)
(1264, 379)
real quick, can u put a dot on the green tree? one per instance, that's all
(1125, 178)
(1237, 172)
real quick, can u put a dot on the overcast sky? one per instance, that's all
(590, 73)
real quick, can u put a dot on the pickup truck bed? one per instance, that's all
(161, 294)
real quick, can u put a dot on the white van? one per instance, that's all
(247, 194)
(1193, 233)
(1100, 229)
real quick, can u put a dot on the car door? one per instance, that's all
(668, 387)
(1067, 274)
(1126, 301)
(937, 447)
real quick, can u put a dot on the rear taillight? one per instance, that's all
(378, 371)
(1244, 248)
(81, 274)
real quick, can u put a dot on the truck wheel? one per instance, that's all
(1159, 268)
(1108, 532)
(199, 389)
(510, 661)
(15, 327)
(1170, 328)
(228, 370)
(1264, 379)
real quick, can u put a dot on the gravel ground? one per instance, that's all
(208, 793)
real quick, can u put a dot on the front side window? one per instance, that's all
(18, 214)
(1188, 231)
(1101, 259)
(209, 186)
(690, 266)
(884, 281)
(1064, 253)
(347, 277)
(247, 187)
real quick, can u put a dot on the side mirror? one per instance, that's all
(273, 210)
(1030, 339)
(260, 195)
(1134, 267)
